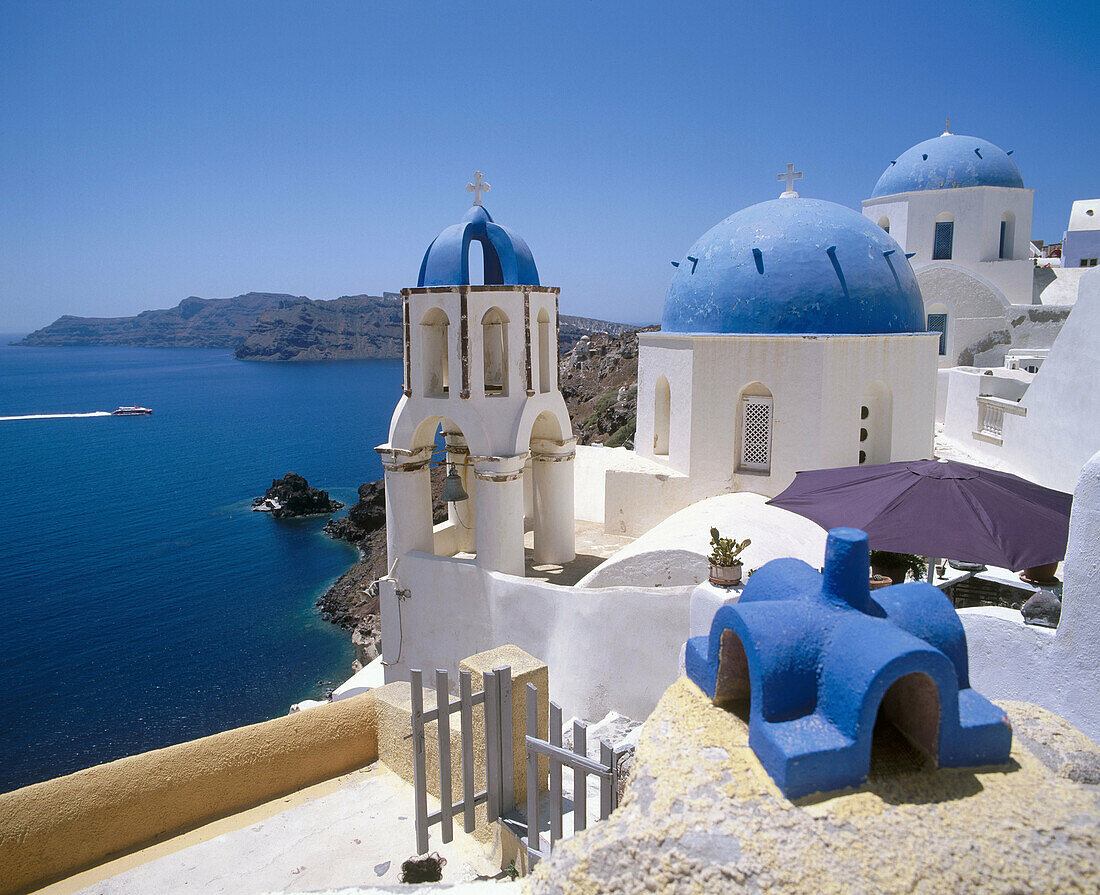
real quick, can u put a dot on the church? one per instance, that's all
(796, 334)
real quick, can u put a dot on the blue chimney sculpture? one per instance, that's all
(818, 658)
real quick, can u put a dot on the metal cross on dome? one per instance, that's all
(477, 188)
(790, 176)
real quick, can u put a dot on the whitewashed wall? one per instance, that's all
(977, 214)
(1058, 670)
(1060, 427)
(607, 648)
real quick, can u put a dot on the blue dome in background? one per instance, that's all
(508, 260)
(794, 265)
(949, 161)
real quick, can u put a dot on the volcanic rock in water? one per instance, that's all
(293, 496)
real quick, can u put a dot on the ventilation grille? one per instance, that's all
(941, 246)
(756, 438)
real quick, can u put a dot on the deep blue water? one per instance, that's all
(141, 602)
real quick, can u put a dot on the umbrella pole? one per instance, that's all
(931, 577)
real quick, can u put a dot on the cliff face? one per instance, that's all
(355, 326)
(193, 323)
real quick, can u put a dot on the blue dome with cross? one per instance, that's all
(790, 266)
(949, 161)
(507, 259)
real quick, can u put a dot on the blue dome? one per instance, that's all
(508, 261)
(794, 265)
(947, 161)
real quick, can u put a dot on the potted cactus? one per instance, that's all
(725, 566)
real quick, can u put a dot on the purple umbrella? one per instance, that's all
(938, 508)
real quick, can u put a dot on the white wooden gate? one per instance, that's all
(499, 792)
(581, 765)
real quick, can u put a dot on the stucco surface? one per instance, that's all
(58, 827)
(1059, 669)
(1051, 443)
(675, 551)
(701, 815)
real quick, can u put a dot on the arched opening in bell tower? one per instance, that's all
(494, 335)
(545, 353)
(434, 352)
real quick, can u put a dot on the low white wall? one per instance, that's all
(607, 648)
(674, 553)
(1058, 670)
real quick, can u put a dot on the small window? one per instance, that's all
(756, 433)
(1088, 262)
(884, 223)
(945, 237)
(864, 412)
(937, 323)
(862, 457)
(1001, 250)
(862, 434)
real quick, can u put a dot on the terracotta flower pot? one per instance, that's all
(1040, 574)
(878, 581)
(725, 576)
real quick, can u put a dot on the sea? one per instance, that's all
(142, 603)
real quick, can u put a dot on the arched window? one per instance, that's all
(937, 323)
(884, 223)
(434, 327)
(755, 424)
(943, 240)
(545, 374)
(662, 415)
(1008, 235)
(494, 338)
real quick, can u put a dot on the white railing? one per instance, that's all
(991, 417)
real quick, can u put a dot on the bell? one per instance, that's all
(452, 488)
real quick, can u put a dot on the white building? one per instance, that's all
(792, 338)
(959, 207)
(1043, 426)
(1081, 241)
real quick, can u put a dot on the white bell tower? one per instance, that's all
(481, 365)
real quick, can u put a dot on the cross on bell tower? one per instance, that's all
(477, 188)
(790, 176)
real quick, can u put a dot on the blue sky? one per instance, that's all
(158, 150)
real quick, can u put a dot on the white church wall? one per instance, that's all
(673, 361)
(674, 552)
(607, 649)
(1058, 670)
(977, 213)
(896, 213)
(977, 314)
(1059, 426)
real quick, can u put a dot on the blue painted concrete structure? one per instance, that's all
(507, 259)
(946, 162)
(794, 265)
(816, 654)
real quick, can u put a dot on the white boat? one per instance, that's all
(131, 411)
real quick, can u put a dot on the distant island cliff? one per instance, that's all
(270, 326)
(193, 323)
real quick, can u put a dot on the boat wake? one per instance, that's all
(55, 416)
